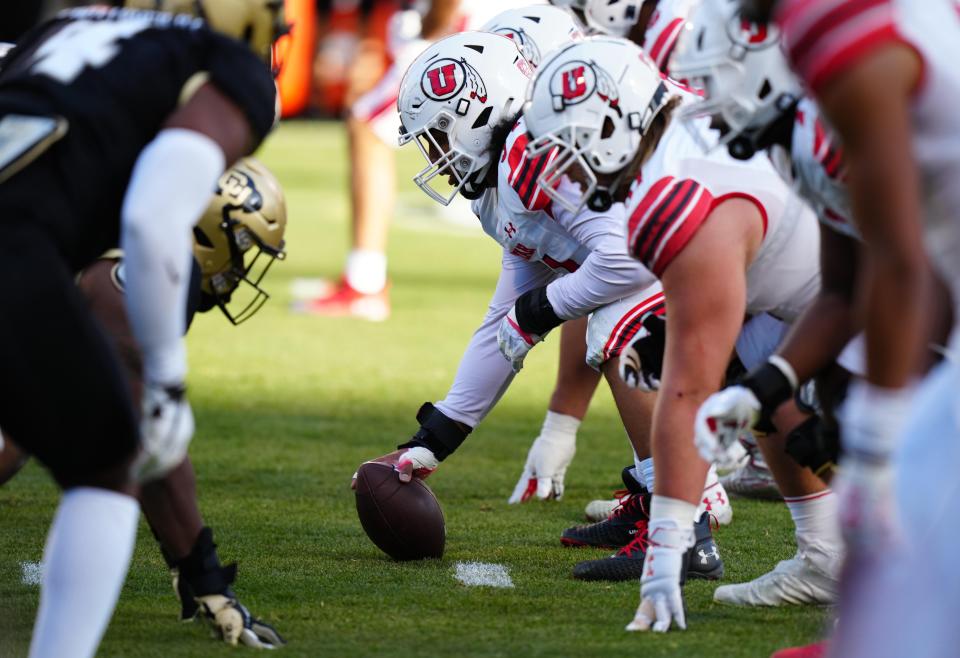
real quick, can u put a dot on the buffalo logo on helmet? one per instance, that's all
(446, 78)
(526, 45)
(577, 81)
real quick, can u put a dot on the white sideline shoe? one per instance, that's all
(752, 479)
(796, 581)
(598, 510)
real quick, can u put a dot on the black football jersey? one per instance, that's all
(111, 77)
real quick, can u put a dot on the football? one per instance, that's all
(404, 520)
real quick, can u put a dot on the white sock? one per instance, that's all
(367, 271)
(818, 528)
(85, 563)
(644, 469)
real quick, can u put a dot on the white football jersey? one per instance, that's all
(678, 189)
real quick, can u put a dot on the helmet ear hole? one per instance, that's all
(202, 238)
(483, 119)
(765, 89)
(608, 128)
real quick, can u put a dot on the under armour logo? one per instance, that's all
(704, 557)
(510, 229)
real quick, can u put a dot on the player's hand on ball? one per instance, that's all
(546, 466)
(661, 600)
(514, 342)
(722, 420)
(166, 428)
(641, 362)
(416, 462)
(234, 624)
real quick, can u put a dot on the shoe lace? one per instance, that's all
(640, 541)
(627, 503)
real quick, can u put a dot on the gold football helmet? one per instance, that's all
(239, 237)
(258, 23)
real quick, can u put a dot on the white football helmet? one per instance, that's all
(538, 29)
(592, 102)
(742, 70)
(613, 17)
(451, 99)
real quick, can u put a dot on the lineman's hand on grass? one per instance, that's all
(234, 624)
(661, 601)
(546, 466)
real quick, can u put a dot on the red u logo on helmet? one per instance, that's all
(574, 83)
(443, 80)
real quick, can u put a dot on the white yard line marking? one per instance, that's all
(483, 574)
(31, 573)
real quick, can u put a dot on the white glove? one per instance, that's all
(513, 341)
(234, 624)
(166, 427)
(416, 462)
(547, 463)
(722, 420)
(870, 421)
(661, 601)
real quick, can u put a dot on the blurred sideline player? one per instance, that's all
(111, 110)
(726, 239)
(557, 264)
(373, 128)
(885, 74)
(236, 241)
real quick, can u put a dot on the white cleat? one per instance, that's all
(716, 502)
(796, 581)
(752, 479)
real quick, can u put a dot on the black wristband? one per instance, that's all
(535, 314)
(770, 385)
(437, 433)
(201, 569)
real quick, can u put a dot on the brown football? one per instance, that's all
(404, 520)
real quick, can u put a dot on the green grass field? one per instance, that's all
(288, 406)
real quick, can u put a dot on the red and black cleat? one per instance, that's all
(703, 560)
(618, 529)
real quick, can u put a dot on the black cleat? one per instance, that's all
(618, 529)
(703, 560)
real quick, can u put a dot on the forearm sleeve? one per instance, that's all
(484, 375)
(171, 184)
(607, 274)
